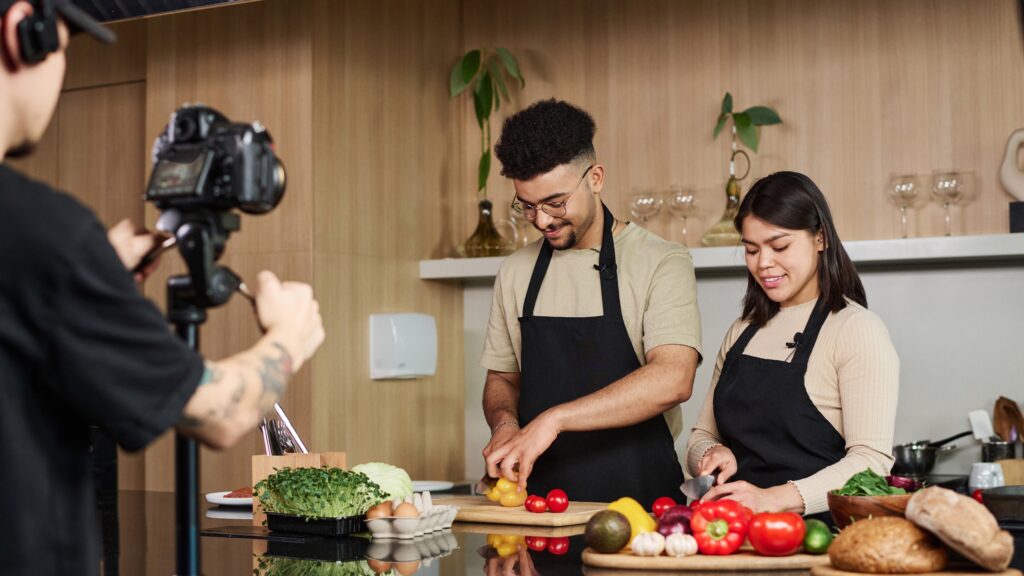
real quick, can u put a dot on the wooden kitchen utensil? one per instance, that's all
(480, 509)
(263, 466)
(742, 561)
(1007, 416)
(830, 571)
(1013, 471)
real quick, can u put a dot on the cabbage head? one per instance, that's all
(392, 480)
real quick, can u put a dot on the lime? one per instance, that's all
(818, 537)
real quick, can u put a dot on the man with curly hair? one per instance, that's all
(594, 333)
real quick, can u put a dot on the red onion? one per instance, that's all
(676, 520)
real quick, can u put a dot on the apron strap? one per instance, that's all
(810, 334)
(606, 268)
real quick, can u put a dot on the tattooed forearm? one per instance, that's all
(274, 372)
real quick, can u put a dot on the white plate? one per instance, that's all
(431, 485)
(229, 513)
(219, 499)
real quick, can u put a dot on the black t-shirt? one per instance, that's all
(79, 345)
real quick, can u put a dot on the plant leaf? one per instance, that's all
(511, 65)
(496, 75)
(463, 72)
(746, 130)
(721, 124)
(762, 116)
(727, 104)
(483, 98)
(485, 170)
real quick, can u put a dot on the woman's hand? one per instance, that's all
(783, 498)
(718, 458)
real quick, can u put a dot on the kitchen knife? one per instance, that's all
(696, 488)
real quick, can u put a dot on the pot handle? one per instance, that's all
(946, 448)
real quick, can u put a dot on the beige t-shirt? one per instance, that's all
(852, 378)
(657, 292)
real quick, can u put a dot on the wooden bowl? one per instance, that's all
(846, 509)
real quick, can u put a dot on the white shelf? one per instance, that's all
(937, 250)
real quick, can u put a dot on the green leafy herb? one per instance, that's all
(868, 483)
(318, 492)
(275, 566)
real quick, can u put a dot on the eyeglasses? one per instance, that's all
(554, 208)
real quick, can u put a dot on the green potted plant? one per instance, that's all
(747, 126)
(483, 73)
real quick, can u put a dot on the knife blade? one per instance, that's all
(696, 488)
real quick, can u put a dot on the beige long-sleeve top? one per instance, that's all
(852, 378)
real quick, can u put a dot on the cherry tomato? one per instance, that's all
(558, 546)
(536, 504)
(661, 505)
(557, 500)
(978, 495)
(536, 543)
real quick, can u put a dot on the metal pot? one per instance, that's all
(916, 459)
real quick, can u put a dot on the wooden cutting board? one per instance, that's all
(739, 562)
(830, 571)
(480, 509)
(512, 530)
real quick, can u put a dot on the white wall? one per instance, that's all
(959, 332)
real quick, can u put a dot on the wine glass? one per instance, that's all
(644, 204)
(682, 203)
(949, 188)
(905, 192)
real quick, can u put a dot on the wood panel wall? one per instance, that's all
(382, 164)
(865, 88)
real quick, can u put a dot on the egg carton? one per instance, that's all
(420, 549)
(436, 519)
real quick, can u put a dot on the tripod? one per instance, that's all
(201, 237)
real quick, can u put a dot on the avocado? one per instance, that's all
(607, 532)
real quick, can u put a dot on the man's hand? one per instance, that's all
(132, 243)
(289, 311)
(523, 449)
(499, 437)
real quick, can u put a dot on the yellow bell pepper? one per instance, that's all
(639, 520)
(506, 493)
(505, 544)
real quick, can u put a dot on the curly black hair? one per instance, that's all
(544, 135)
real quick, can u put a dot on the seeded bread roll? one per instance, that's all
(964, 524)
(886, 545)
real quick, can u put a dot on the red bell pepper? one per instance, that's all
(720, 527)
(777, 534)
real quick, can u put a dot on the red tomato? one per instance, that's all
(536, 543)
(661, 505)
(536, 504)
(558, 500)
(558, 546)
(776, 534)
(978, 495)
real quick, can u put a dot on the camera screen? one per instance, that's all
(171, 178)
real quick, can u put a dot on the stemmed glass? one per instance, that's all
(644, 204)
(681, 203)
(949, 188)
(905, 192)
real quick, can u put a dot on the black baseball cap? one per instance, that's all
(77, 20)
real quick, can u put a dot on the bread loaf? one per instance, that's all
(886, 545)
(964, 524)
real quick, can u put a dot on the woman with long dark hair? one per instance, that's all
(805, 385)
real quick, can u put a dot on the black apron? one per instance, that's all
(767, 419)
(568, 358)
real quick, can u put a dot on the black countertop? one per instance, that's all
(147, 547)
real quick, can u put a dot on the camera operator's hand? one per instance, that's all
(132, 243)
(288, 311)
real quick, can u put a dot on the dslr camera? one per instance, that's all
(203, 160)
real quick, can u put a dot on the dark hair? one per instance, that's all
(544, 135)
(791, 200)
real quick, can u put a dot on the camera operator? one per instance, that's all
(79, 343)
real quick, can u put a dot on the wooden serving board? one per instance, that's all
(480, 509)
(513, 530)
(830, 571)
(739, 562)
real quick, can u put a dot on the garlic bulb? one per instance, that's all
(648, 544)
(680, 545)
